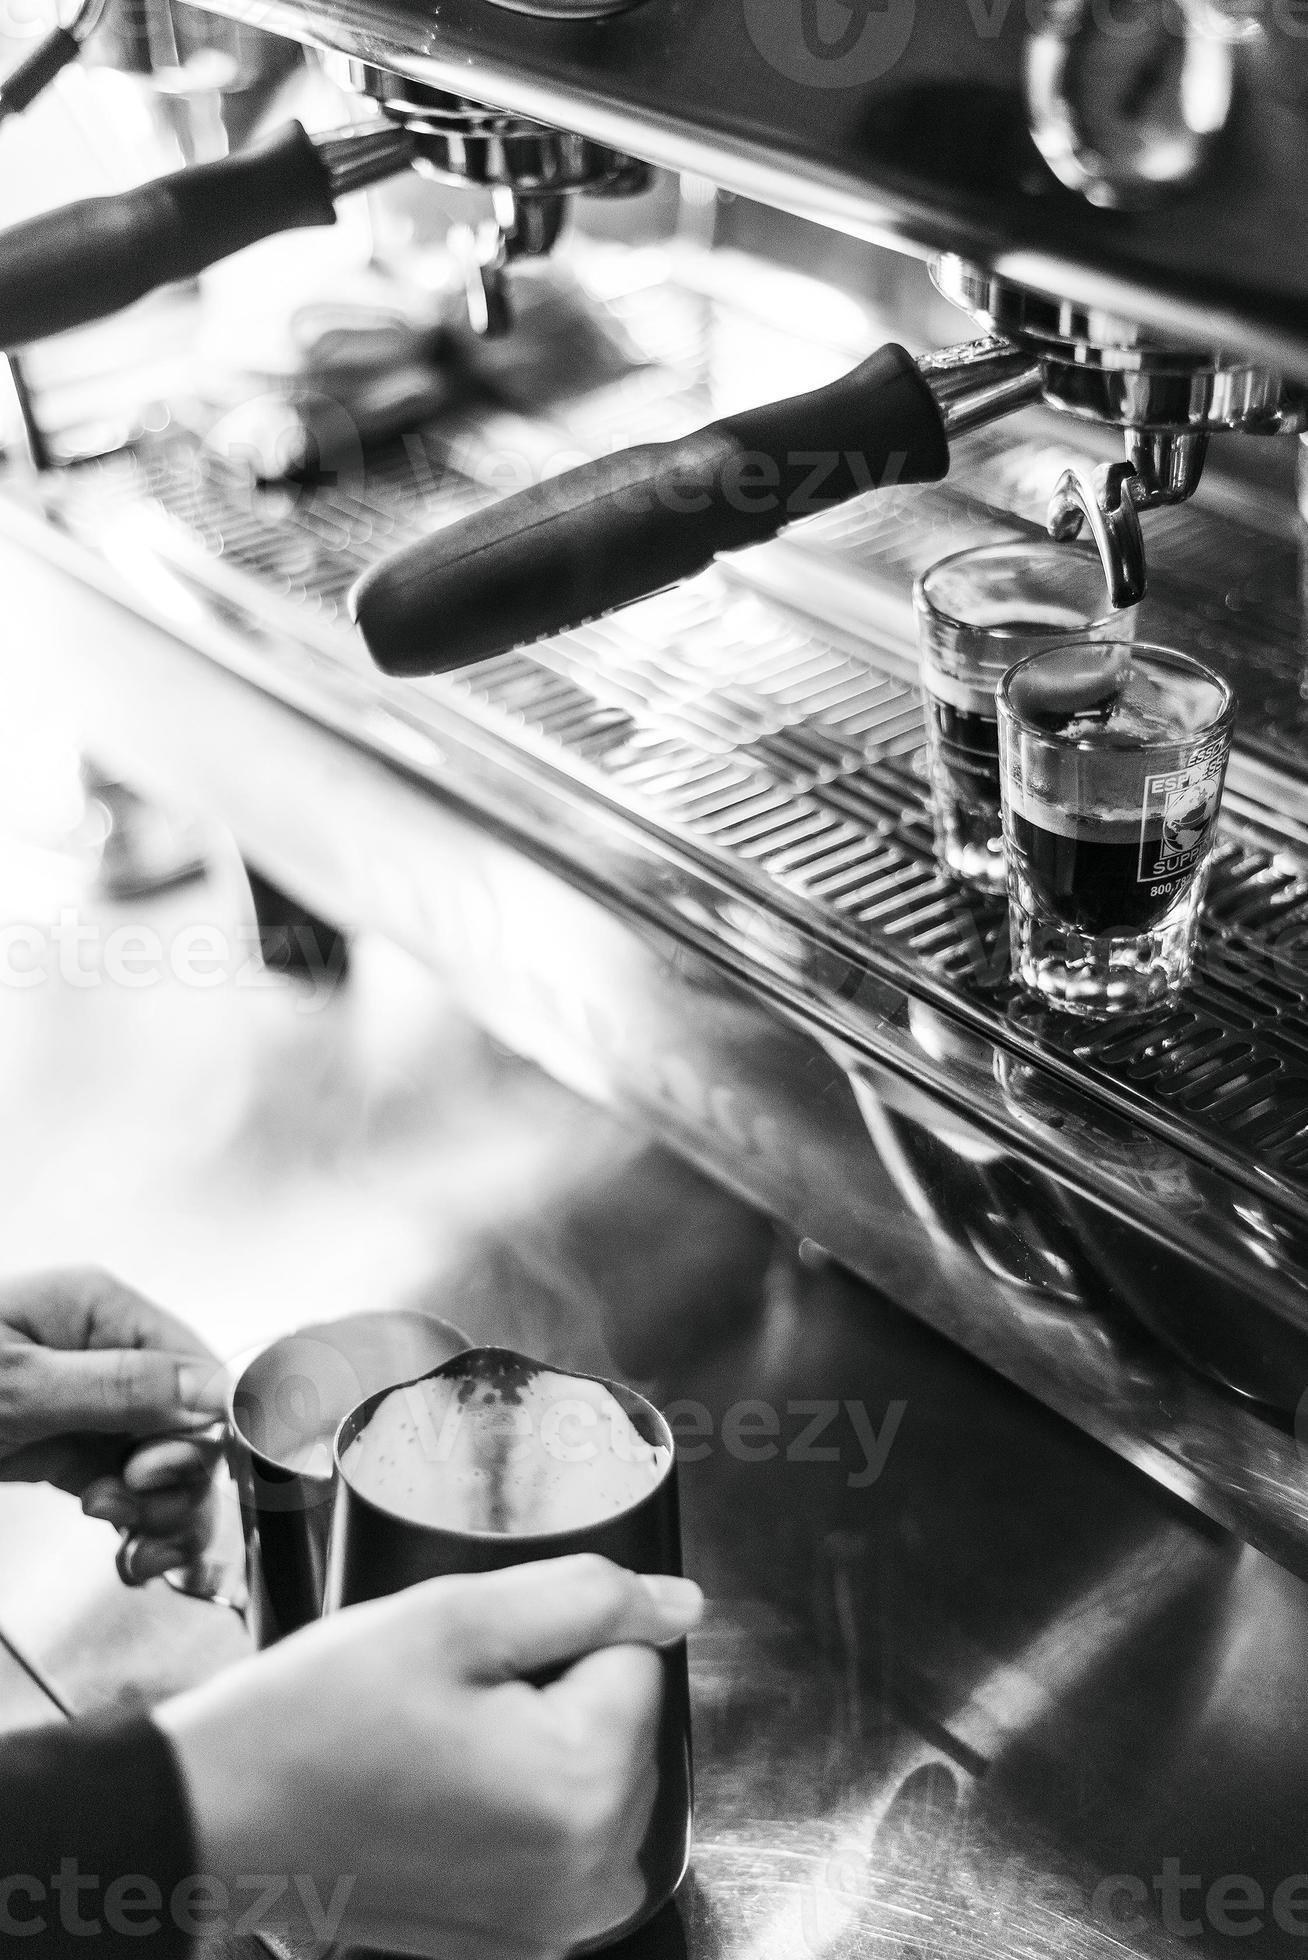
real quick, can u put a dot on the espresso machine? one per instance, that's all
(622, 699)
(604, 703)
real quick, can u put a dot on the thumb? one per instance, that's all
(120, 1391)
(512, 1624)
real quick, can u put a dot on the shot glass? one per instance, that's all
(978, 613)
(1112, 760)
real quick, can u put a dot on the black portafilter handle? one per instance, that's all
(90, 259)
(581, 544)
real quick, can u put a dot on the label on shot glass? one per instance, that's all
(1180, 808)
(1119, 841)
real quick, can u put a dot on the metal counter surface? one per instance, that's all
(967, 1684)
(983, 1701)
(994, 1697)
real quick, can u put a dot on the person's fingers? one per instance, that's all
(71, 1463)
(155, 1514)
(616, 1694)
(175, 1461)
(507, 1625)
(170, 1513)
(125, 1391)
(607, 1709)
(111, 1502)
(633, 1829)
(619, 1888)
(81, 1307)
(142, 1559)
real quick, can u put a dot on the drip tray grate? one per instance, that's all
(795, 753)
(848, 829)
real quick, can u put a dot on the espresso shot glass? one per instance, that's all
(978, 613)
(1113, 760)
(472, 1468)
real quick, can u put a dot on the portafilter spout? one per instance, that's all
(1102, 498)
(1166, 400)
(1161, 469)
(529, 170)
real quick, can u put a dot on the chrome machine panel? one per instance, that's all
(906, 122)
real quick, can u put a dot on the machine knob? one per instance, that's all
(1128, 111)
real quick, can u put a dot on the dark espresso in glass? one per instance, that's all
(978, 612)
(1093, 882)
(1113, 757)
(967, 743)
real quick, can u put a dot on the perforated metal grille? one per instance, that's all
(306, 547)
(818, 789)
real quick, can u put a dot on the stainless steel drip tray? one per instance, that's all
(790, 754)
(785, 759)
(789, 757)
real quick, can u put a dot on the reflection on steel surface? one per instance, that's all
(949, 1713)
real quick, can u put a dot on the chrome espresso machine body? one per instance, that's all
(662, 823)
(590, 679)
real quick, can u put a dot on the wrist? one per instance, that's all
(250, 1763)
(239, 1824)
